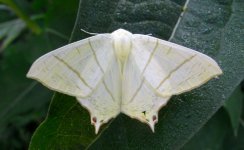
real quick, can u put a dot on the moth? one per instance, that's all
(122, 72)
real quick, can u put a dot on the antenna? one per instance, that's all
(88, 32)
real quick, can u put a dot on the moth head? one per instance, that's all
(122, 42)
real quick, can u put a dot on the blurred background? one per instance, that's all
(28, 29)
(31, 28)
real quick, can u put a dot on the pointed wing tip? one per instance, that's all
(31, 72)
(28, 75)
(32, 75)
(97, 127)
(151, 125)
(218, 73)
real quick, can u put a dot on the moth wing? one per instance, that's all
(140, 100)
(104, 103)
(169, 68)
(75, 69)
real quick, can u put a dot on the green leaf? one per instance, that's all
(233, 142)
(209, 26)
(61, 129)
(212, 135)
(5, 13)
(23, 102)
(217, 133)
(236, 142)
(9, 31)
(234, 108)
(34, 27)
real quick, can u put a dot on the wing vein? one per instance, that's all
(95, 56)
(78, 51)
(73, 70)
(137, 91)
(175, 69)
(109, 92)
(151, 56)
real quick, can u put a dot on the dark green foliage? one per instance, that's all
(24, 102)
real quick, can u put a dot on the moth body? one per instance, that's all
(122, 41)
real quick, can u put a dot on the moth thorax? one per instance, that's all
(122, 44)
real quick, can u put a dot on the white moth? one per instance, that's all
(123, 72)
